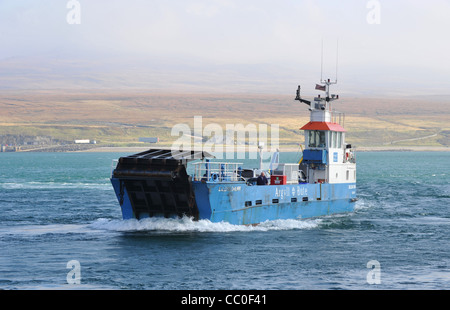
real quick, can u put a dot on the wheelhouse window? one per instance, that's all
(333, 144)
(316, 138)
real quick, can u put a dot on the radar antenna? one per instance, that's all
(320, 102)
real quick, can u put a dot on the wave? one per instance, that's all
(187, 224)
(55, 185)
(34, 230)
(363, 203)
(184, 224)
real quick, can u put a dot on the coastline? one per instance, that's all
(287, 149)
(138, 149)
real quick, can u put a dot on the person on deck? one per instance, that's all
(262, 180)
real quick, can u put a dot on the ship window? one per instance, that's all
(305, 198)
(321, 139)
(339, 138)
(312, 138)
(248, 203)
(274, 200)
(316, 138)
(334, 139)
(258, 202)
(348, 173)
(294, 199)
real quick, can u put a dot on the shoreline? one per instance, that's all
(137, 149)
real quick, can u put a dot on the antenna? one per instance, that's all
(337, 53)
(321, 64)
(327, 82)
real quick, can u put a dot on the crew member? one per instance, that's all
(262, 180)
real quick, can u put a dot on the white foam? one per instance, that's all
(362, 204)
(31, 230)
(186, 224)
(54, 185)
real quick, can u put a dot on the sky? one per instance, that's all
(395, 47)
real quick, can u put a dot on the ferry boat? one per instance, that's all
(156, 183)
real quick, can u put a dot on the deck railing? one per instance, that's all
(338, 117)
(217, 171)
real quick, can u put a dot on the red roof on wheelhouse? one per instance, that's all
(323, 126)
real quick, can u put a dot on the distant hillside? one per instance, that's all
(120, 117)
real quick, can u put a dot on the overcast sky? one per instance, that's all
(408, 41)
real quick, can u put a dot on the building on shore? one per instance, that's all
(84, 141)
(149, 139)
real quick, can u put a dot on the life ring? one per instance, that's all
(214, 177)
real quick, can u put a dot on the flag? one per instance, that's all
(320, 87)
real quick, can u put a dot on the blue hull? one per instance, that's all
(240, 204)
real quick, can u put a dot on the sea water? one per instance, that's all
(60, 208)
